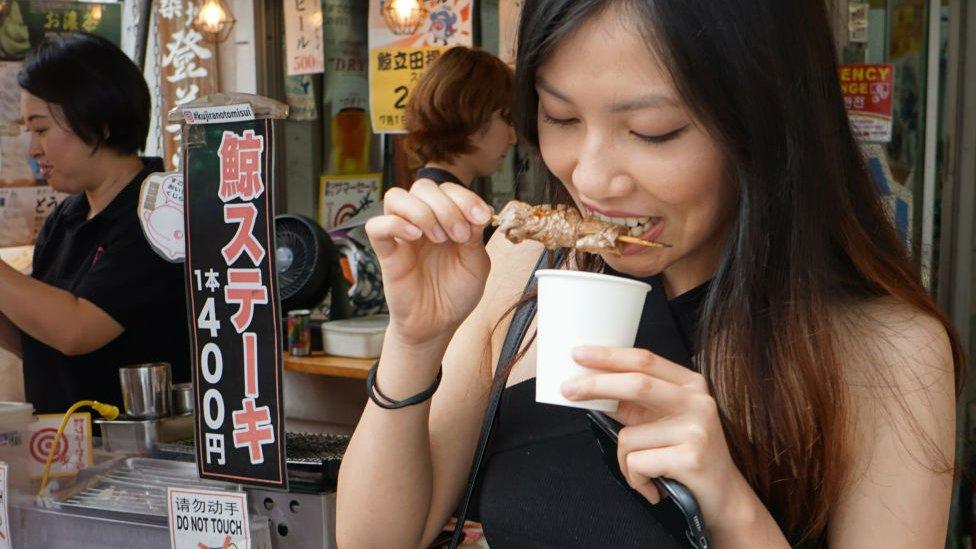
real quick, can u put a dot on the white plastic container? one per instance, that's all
(15, 421)
(355, 337)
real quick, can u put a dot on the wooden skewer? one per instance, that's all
(639, 242)
(622, 238)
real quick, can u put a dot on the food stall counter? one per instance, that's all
(329, 365)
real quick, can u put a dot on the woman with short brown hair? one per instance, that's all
(458, 120)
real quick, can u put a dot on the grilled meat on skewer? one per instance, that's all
(561, 226)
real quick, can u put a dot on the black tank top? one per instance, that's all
(545, 482)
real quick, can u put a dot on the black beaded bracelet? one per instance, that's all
(388, 403)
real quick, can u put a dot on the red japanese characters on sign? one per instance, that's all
(241, 178)
(868, 91)
(240, 166)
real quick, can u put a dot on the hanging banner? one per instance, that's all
(868, 91)
(397, 60)
(346, 94)
(233, 302)
(303, 37)
(188, 67)
(508, 20)
(27, 22)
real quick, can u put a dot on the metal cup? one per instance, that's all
(147, 390)
(183, 398)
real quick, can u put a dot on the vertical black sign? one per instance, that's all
(233, 295)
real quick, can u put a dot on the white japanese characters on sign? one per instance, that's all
(187, 64)
(206, 519)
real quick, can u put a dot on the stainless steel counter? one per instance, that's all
(118, 504)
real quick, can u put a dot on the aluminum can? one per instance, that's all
(299, 332)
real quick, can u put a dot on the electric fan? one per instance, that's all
(308, 267)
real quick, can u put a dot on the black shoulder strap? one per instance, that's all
(513, 339)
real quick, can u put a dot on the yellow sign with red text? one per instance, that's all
(400, 53)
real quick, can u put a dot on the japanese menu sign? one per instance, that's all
(27, 22)
(342, 197)
(868, 91)
(188, 67)
(233, 302)
(206, 518)
(304, 53)
(396, 61)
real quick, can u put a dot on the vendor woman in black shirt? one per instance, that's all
(99, 298)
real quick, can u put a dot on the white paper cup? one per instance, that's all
(580, 308)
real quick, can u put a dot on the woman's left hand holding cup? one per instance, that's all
(672, 427)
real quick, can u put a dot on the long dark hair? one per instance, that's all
(810, 238)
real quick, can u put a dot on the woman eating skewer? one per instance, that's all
(789, 369)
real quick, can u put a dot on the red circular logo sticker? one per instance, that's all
(41, 442)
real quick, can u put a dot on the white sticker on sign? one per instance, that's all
(161, 215)
(4, 516)
(205, 519)
(217, 115)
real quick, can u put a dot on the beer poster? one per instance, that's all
(346, 97)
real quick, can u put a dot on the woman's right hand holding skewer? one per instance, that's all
(433, 261)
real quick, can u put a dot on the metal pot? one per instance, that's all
(147, 390)
(183, 398)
